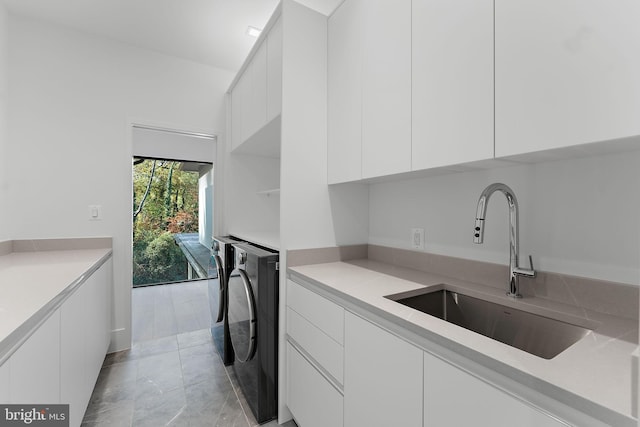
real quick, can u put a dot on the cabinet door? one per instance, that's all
(274, 71)
(386, 87)
(98, 320)
(566, 73)
(452, 79)
(258, 92)
(313, 401)
(35, 366)
(455, 398)
(345, 93)
(4, 382)
(382, 377)
(75, 329)
(238, 112)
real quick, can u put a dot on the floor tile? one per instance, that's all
(173, 380)
(200, 364)
(158, 375)
(194, 338)
(168, 409)
(116, 415)
(153, 347)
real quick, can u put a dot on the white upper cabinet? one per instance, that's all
(567, 73)
(386, 87)
(240, 110)
(274, 71)
(345, 93)
(258, 105)
(256, 97)
(452, 78)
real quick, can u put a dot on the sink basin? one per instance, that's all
(541, 336)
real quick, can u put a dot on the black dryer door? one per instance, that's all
(219, 299)
(242, 315)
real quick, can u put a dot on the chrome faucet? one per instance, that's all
(514, 270)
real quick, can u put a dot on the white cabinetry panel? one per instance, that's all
(345, 93)
(455, 398)
(258, 92)
(382, 377)
(327, 352)
(85, 323)
(566, 73)
(35, 366)
(452, 82)
(326, 315)
(386, 87)
(74, 367)
(312, 400)
(240, 111)
(274, 71)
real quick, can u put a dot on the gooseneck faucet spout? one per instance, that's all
(478, 237)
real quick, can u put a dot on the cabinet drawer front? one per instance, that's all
(327, 352)
(311, 399)
(322, 313)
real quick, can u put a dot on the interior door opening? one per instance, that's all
(172, 221)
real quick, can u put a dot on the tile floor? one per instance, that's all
(172, 375)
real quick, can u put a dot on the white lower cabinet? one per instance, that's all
(74, 368)
(382, 377)
(313, 401)
(315, 328)
(85, 324)
(455, 398)
(61, 360)
(35, 367)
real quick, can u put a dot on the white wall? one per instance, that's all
(4, 205)
(72, 99)
(578, 216)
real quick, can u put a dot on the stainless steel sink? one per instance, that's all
(542, 336)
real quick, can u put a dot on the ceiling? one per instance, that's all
(212, 32)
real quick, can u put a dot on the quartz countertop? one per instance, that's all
(33, 284)
(592, 376)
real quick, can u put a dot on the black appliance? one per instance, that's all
(253, 327)
(222, 256)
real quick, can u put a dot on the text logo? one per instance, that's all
(34, 415)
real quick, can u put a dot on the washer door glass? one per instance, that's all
(242, 315)
(219, 308)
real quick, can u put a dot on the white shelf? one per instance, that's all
(269, 193)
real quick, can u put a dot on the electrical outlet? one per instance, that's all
(417, 238)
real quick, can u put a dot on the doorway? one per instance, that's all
(172, 221)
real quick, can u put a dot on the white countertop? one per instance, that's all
(593, 375)
(34, 284)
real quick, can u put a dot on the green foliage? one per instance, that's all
(163, 197)
(160, 261)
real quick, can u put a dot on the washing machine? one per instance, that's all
(222, 256)
(253, 327)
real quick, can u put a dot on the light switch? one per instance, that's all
(95, 212)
